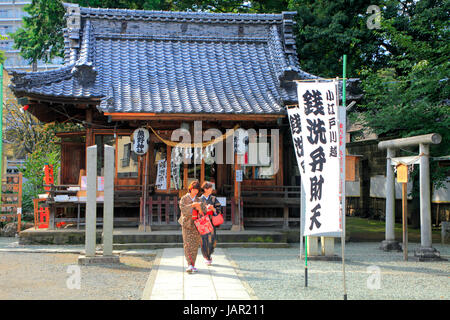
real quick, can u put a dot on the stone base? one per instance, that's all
(236, 227)
(83, 260)
(428, 254)
(390, 245)
(146, 229)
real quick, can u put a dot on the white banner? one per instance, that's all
(161, 176)
(315, 133)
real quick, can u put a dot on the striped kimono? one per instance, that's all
(191, 236)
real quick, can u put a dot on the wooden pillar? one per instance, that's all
(286, 217)
(238, 224)
(143, 220)
(202, 171)
(89, 131)
(151, 163)
(185, 176)
(169, 167)
(278, 157)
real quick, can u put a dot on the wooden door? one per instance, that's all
(73, 157)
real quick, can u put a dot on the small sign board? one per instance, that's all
(222, 200)
(402, 173)
(239, 175)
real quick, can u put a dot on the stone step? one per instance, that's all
(223, 237)
(124, 236)
(130, 246)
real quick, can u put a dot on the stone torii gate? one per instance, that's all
(426, 251)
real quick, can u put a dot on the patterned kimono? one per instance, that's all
(191, 236)
(209, 241)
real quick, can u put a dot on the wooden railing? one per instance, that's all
(131, 194)
(124, 196)
(268, 196)
(164, 210)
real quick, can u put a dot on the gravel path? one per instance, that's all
(271, 273)
(279, 274)
(45, 276)
(31, 275)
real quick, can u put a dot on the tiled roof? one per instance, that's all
(173, 62)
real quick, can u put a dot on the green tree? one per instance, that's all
(329, 29)
(46, 150)
(409, 96)
(40, 37)
(125, 4)
(234, 6)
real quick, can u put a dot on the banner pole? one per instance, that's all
(343, 120)
(301, 220)
(1, 124)
(306, 262)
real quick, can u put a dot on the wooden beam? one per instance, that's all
(62, 100)
(193, 116)
(70, 133)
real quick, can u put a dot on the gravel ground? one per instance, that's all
(279, 274)
(271, 273)
(26, 275)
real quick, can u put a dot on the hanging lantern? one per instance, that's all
(240, 141)
(140, 141)
(209, 154)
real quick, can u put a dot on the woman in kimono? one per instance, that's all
(190, 206)
(213, 207)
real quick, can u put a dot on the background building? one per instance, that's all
(11, 14)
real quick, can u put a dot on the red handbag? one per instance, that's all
(217, 220)
(203, 225)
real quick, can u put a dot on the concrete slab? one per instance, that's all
(87, 260)
(170, 281)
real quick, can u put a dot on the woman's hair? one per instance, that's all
(207, 185)
(194, 185)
